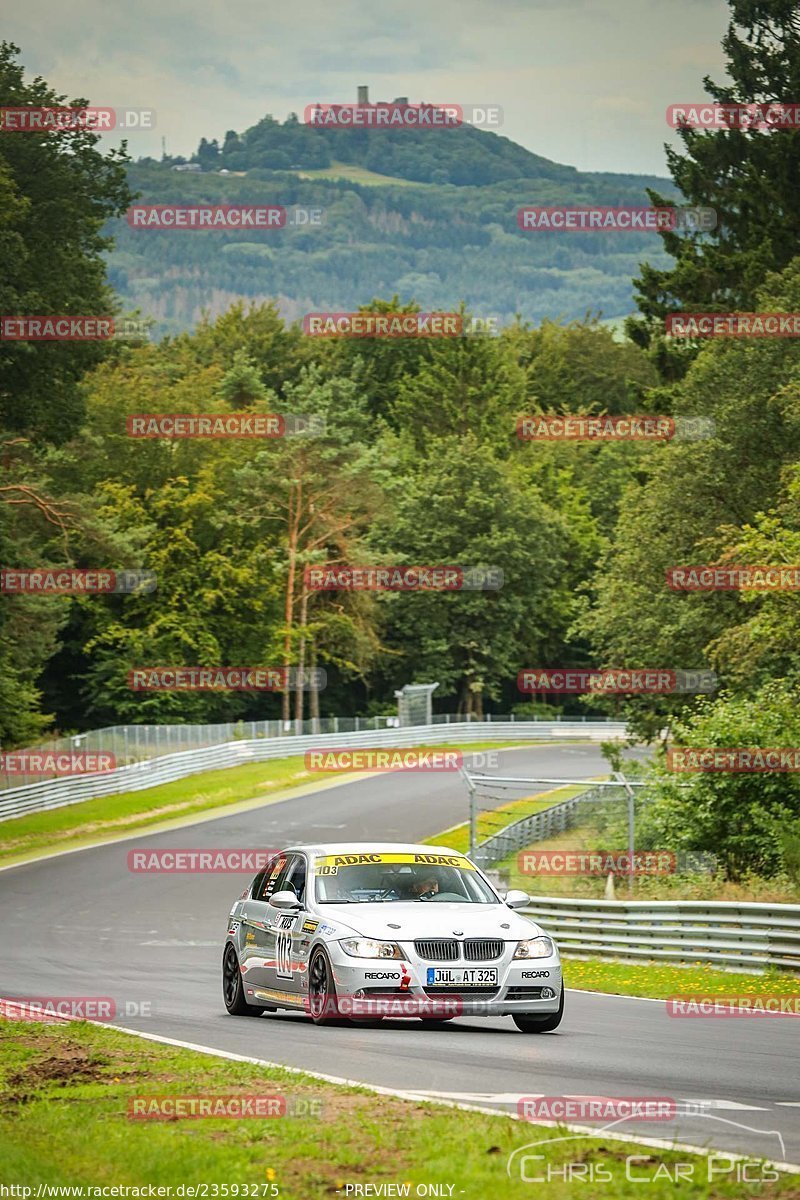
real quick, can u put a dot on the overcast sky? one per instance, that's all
(584, 82)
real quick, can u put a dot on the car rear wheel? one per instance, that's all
(528, 1024)
(232, 986)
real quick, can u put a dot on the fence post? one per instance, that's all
(631, 826)
(473, 818)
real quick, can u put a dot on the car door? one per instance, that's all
(288, 929)
(258, 941)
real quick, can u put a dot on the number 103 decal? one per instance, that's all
(283, 946)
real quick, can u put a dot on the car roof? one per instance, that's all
(321, 848)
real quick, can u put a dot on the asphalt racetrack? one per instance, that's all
(82, 924)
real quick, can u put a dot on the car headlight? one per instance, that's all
(538, 947)
(367, 948)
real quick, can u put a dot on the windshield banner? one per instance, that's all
(335, 861)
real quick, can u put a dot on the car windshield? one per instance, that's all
(387, 878)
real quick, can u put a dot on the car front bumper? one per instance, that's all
(523, 986)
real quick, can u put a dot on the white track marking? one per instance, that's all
(729, 1105)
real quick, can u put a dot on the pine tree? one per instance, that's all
(750, 177)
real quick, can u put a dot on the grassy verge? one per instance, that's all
(645, 887)
(652, 979)
(356, 174)
(65, 1093)
(493, 821)
(108, 817)
(659, 980)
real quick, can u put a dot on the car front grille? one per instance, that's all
(437, 949)
(524, 993)
(483, 949)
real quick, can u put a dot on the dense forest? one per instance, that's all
(429, 217)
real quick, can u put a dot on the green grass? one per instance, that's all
(65, 1092)
(356, 174)
(108, 817)
(492, 821)
(659, 980)
(780, 890)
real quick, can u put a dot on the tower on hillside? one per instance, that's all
(363, 94)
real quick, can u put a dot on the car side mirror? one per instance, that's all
(285, 900)
(516, 899)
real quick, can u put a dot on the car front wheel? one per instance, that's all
(545, 1024)
(322, 1003)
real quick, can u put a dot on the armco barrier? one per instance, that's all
(737, 936)
(548, 822)
(55, 793)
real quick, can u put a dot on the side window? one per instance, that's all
(276, 875)
(296, 879)
(261, 878)
(255, 886)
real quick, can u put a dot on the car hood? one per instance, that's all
(404, 922)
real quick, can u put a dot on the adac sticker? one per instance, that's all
(310, 926)
(330, 863)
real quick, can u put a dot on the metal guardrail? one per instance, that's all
(132, 743)
(738, 936)
(549, 822)
(55, 793)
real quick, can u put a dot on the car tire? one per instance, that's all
(323, 1007)
(232, 986)
(528, 1024)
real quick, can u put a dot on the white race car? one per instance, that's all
(366, 931)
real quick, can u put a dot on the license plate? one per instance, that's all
(462, 976)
